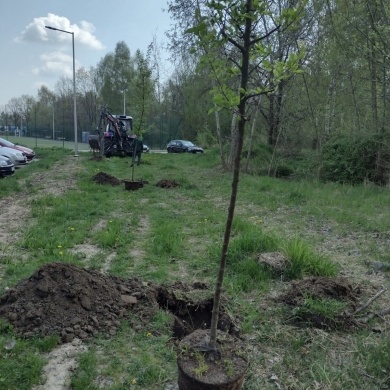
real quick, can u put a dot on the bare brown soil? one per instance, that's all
(105, 178)
(168, 183)
(72, 302)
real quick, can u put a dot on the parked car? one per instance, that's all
(30, 154)
(180, 146)
(7, 168)
(146, 148)
(17, 157)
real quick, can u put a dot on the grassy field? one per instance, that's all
(174, 235)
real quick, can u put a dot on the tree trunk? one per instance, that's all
(220, 140)
(234, 140)
(271, 120)
(373, 65)
(250, 145)
(329, 108)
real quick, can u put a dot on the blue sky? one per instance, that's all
(33, 55)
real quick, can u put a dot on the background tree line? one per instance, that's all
(333, 113)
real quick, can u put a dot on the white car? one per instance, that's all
(17, 157)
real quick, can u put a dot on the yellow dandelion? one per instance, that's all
(133, 381)
(60, 253)
(149, 334)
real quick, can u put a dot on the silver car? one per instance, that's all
(17, 157)
(6, 167)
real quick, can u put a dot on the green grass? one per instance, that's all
(169, 235)
(303, 261)
(325, 310)
(21, 361)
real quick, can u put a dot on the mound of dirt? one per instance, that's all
(322, 288)
(74, 302)
(65, 300)
(105, 178)
(327, 291)
(167, 183)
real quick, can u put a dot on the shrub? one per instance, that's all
(283, 171)
(353, 161)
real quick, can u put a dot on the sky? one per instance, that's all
(33, 55)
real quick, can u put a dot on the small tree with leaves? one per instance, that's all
(230, 37)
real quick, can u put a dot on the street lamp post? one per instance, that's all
(124, 101)
(53, 122)
(35, 112)
(74, 89)
(6, 121)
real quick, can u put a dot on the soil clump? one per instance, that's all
(105, 178)
(168, 183)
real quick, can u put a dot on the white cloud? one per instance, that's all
(36, 31)
(55, 63)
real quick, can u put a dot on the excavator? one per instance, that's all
(114, 136)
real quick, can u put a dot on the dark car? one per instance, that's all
(29, 153)
(180, 146)
(7, 168)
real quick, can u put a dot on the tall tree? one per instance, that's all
(115, 76)
(27, 102)
(143, 89)
(87, 94)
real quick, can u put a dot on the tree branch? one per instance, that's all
(369, 302)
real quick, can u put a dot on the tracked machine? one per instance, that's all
(114, 136)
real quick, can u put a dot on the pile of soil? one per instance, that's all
(167, 183)
(322, 289)
(69, 301)
(75, 302)
(105, 178)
